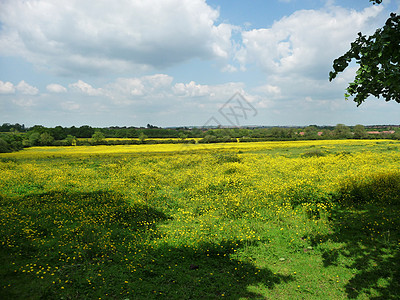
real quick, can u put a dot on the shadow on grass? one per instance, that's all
(372, 244)
(368, 226)
(205, 272)
(65, 231)
(96, 245)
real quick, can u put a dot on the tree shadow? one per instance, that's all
(205, 272)
(66, 231)
(367, 224)
(95, 244)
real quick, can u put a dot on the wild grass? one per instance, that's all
(237, 221)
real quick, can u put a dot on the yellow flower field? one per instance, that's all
(258, 210)
(36, 152)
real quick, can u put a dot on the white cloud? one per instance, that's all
(306, 42)
(296, 55)
(130, 90)
(229, 68)
(85, 88)
(269, 89)
(158, 80)
(22, 102)
(191, 89)
(128, 86)
(213, 94)
(159, 90)
(26, 89)
(154, 92)
(6, 88)
(56, 88)
(73, 36)
(70, 106)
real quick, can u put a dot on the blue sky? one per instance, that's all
(177, 62)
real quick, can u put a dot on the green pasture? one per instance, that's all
(312, 221)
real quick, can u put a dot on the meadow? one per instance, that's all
(267, 220)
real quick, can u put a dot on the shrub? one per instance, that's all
(4, 146)
(383, 188)
(314, 153)
(310, 197)
(228, 158)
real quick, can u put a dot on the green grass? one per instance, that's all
(153, 226)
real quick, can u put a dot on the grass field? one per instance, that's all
(270, 220)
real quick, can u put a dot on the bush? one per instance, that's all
(310, 197)
(383, 188)
(314, 153)
(10, 143)
(4, 147)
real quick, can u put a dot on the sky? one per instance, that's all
(184, 62)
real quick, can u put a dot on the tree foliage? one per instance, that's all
(10, 142)
(359, 131)
(46, 139)
(341, 131)
(98, 137)
(378, 57)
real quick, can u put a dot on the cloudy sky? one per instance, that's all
(179, 62)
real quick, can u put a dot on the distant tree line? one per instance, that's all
(14, 137)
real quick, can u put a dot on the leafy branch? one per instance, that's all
(378, 57)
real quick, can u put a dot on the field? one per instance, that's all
(271, 220)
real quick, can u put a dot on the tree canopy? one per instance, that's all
(378, 57)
